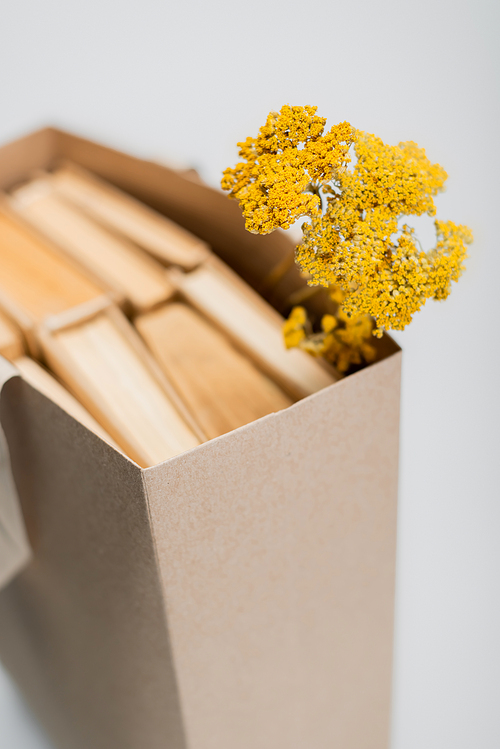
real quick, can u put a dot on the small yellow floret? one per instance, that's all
(293, 328)
(343, 340)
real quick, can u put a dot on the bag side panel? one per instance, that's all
(83, 628)
(15, 551)
(277, 551)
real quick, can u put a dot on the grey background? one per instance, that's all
(183, 83)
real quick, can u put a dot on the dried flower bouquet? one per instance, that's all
(355, 241)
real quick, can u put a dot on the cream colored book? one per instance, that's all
(45, 383)
(253, 325)
(220, 386)
(118, 263)
(11, 339)
(165, 240)
(35, 279)
(103, 361)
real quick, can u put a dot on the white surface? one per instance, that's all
(17, 728)
(185, 82)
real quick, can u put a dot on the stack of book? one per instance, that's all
(132, 324)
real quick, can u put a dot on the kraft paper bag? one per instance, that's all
(240, 594)
(237, 596)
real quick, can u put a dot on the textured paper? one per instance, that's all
(83, 629)
(276, 547)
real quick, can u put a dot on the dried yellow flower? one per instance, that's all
(356, 241)
(359, 243)
(343, 340)
(294, 328)
(277, 182)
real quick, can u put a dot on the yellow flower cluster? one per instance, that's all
(283, 167)
(343, 340)
(359, 244)
(355, 238)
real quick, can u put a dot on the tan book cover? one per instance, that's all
(35, 279)
(11, 340)
(220, 386)
(103, 361)
(116, 262)
(253, 325)
(164, 239)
